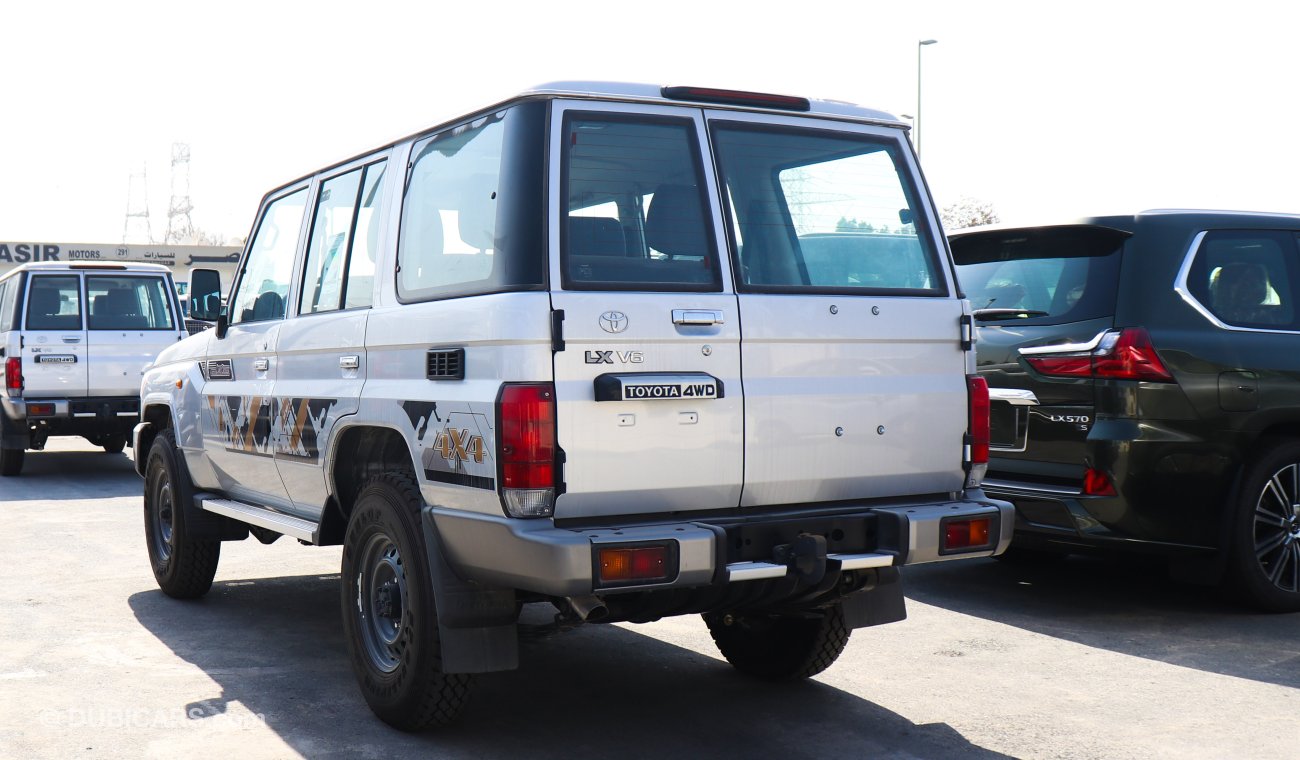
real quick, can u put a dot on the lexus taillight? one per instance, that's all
(1125, 354)
(526, 448)
(1097, 483)
(13, 376)
(977, 430)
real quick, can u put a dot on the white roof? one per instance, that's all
(69, 266)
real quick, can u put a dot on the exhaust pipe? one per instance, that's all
(590, 608)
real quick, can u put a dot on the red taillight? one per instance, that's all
(967, 534)
(526, 448)
(1097, 483)
(1119, 354)
(977, 430)
(13, 375)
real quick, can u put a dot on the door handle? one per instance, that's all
(697, 317)
(261, 365)
(71, 338)
(349, 362)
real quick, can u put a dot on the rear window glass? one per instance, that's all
(54, 303)
(830, 212)
(1246, 278)
(637, 216)
(128, 303)
(1043, 276)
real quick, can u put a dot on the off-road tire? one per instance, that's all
(395, 650)
(114, 443)
(11, 461)
(1264, 553)
(780, 647)
(183, 567)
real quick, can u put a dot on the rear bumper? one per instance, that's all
(74, 416)
(537, 556)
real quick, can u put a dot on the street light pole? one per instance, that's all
(917, 124)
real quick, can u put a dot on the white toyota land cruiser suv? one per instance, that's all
(632, 351)
(74, 339)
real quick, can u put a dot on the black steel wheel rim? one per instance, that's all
(163, 515)
(1277, 528)
(381, 603)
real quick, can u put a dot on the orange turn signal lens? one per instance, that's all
(967, 534)
(647, 563)
(40, 410)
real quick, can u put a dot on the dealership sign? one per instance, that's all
(168, 255)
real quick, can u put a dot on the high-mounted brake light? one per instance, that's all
(737, 97)
(13, 376)
(978, 430)
(526, 448)
(1125, 354)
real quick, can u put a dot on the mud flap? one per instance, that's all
(476, 623)
(878, 604)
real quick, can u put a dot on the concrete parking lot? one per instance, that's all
(1085, 659)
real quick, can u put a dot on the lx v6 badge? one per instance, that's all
(607, 357)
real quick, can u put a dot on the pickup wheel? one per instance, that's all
(183, 567)
(780, 647)
(1264, 561)
(114, 443)
(11, 461)
(389, 615)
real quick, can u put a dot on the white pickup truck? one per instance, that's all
(74, 339)
(628, 350)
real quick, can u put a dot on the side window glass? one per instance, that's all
(54, 303)
(1246, 278)
(327, 250)
(264, 283)
(449, 216)
(360, 282)
(635, 214)
(8, 292)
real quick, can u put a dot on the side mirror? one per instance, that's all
(205, 294)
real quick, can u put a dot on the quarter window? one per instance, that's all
(635, 215)
(1247, 278)
(264, 284)
(8, 295)
(54, 303)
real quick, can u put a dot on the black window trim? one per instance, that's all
(271, 199)
(171, 306)
(910, 188)
(364, 168)
(24, 303)
(566, 282)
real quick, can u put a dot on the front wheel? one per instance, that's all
(780, 647)
(183, 567)
(389, 615)
(1265, 550)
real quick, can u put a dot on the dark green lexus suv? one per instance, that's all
(1145, 381)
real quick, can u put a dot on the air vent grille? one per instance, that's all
(446, 364)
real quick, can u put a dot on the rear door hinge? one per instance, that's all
(557, 330)
(967, 326)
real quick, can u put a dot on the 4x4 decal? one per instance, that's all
(456, 444)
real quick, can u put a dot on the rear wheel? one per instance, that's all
(183, 567)
(780, 647)
(1265, 551)
(11, 461)
(389, 615)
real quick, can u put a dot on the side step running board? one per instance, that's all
(292, 527)
(753, 571)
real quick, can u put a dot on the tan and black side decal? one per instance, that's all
(456, 445)
(268, 426)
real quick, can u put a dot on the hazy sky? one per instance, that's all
(1044, 109)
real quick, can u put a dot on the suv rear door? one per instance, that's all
(854, 370)
(131, 318)
(649, 399)
(1033, 287)
(54, 337)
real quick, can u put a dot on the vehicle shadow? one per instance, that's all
(1124, 605)
(79, 474)
(275, 645)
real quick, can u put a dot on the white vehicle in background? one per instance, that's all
(74, 339)
(597, 346)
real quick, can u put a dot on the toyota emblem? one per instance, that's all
(613, 321)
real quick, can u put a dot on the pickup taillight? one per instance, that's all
(14, 376)
(1125, 354)
(526, 448)
(977, 430)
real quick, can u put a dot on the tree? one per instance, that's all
(968, 212)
